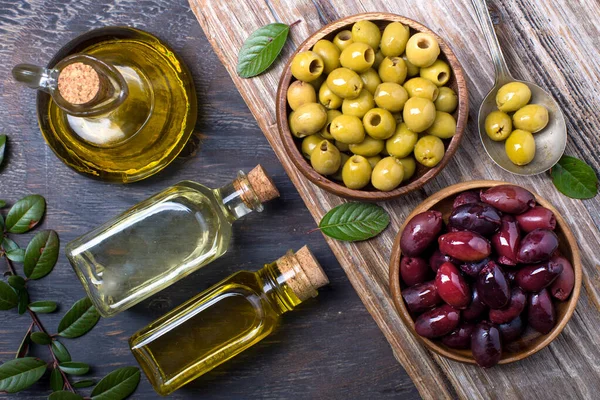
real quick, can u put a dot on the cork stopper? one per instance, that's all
(262, 184)
(78, 83)
(302, 272)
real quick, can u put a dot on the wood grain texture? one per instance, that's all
(551, 43)
(328, 348)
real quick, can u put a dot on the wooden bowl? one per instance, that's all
(531, 342)
(422, 174)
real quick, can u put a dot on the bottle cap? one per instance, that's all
(78, 83)
(302, 273)
(262, 184)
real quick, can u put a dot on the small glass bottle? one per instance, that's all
(224, 320)
(163, 239)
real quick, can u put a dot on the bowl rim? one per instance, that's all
(434, 199)
(333, 187)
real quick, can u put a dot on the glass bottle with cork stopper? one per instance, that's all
(224, 320)
(163, 239)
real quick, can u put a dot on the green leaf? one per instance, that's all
(354, 221)
(574, 178)
(25, 214)
(9, 244)
(16, 282)
(43, 307)
(1, 223)
(64, 395)
(41, 338)
(41, 254)
(117, 385)
(23, 301)
(83, 383)
(24, 346)
(2, 147)
(261, 48)
(74, 368)
(79, 319)
(8, 297)
(2, 203)
(16, 255)
(20, 373)
(60, 352)
(56, 380)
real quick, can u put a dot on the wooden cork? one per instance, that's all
(262, 184)
(78, 83)
(302, 273)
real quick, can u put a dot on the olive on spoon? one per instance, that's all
(550, 142)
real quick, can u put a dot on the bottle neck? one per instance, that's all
(238, 198)
(277, 292)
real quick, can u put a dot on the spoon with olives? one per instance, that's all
(546, 146)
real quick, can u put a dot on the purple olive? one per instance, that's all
(485, 344)
(541, 314)
(437, 322)
(414, 270)
(467, 197)
(515, 307)
(510, 276)
(452, 287)
(476, 308)
(474, 267)
(421, 297)
(476, 217)
(509, 198)
(437, 259)
(492, 286)
(563, 285)
(465, 245)
(537, 246)
(512, 330)
(460, 338)
(506, 242)
(420, 232)
(533, 278)
(537, 218)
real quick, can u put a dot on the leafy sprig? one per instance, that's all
(354, 221)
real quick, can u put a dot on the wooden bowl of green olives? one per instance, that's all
(372, 106)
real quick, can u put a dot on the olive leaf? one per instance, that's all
(2, 203)
(16, 282)
(1, 223)
(41, 254)
(23, 296)
(60, 352)
(8, 297)
(25, 214)
(574, 178)
(117, 385)
(43, 307)
(79, 319)
(24, 346)
(74, 368)
(354, 221)
(56, 380)
(83, 383)
(261, 48)
(20, 373)
(16, 255)
(9, 244)
(2, 148)
(64, 395)
(41, 338)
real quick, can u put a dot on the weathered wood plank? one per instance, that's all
(551, 43)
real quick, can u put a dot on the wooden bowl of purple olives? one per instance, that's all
(372, 106)
(485, 272)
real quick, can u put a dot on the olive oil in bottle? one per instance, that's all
(224, 320)
(163, 239)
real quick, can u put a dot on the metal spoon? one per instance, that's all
(550, 142)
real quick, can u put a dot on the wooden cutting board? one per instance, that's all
(555, 44)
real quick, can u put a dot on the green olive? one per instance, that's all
(394, 39)
(513, 96)
(299, 93)
(444, 125)
(338, 174)
(438, 72)
(409, 167)
(420, 87)
(317, 83)
(422, 49)
(387, 174)
(330, 54)
(356, 172)
(308, 119)
(378, 59)
(379, 123)
(429, 150)
(370, 80)
(520, 147)
(447, 100)
(368, 147)
(360, 105)
(532, 118)
(325, 158)
(358, 57)
(402, 143)
(393, 70)
(345, 83)
(307, 66)
(329, 99)
(498, 125)
(347, 129)
(325, 132)
(366, 32)
(373, 160)
(411, 69)
(309, 143)
(391, 96)
(342, 146)
(419, 114)
(343, 39)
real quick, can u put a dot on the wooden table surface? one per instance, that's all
(329, 348)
